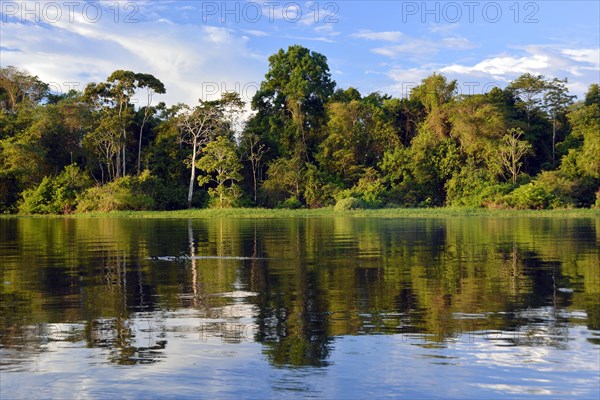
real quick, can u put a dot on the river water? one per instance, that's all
(322, 307)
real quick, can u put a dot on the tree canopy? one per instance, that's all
(308, 143)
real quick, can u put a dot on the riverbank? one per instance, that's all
(306, 213)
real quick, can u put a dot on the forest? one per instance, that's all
(306, 144)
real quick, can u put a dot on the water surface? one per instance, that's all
(327, 307)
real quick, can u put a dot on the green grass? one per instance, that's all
(322, 212)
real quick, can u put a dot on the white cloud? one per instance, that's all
(544, 60)
(254, 32)
(443, 28)
(417, 49)
(579, 65)
(590, 56)
(406, 79)
(503, 65)
(327, 30)
(389, 36)
(309, 38)
(189, 59)
(456, 43)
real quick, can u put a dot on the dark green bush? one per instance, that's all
(291, 203)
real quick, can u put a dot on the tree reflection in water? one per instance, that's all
(293, 285)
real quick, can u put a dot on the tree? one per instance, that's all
(477, 125)
(357, 136)
(197, 126)
(556, 100)
(585, 120)
(528, 89)
(221, 164)
(19, 87)
(293, 97)
(434, 93)
(201, 124)
(405, 115)
(512, 151)
(112, 101)
(341, 152)
(592, 96)
(284, 179)
(152, 86)
(253, 151)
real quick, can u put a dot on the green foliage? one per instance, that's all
(531, 196)
(305, 146)
(291, 203)
(592, 97)
(291, 101)
(319, 191)
(284, 180)
(221, 164)
(586, 129)
(349, 203)
(19, 89)
(550, 190)
(473, 187)
(127, 193)
(369, 189)
(511, 153)
(56, 195)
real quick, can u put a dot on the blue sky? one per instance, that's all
(198, 48)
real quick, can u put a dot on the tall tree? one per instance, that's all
(434, 93)
(253, 151)
(528, 89)
(585, 120)
(556, 101)
(293, 97)
(477, 125)
(113, 102)
(198, 126)
(152, 86)
(201, 124)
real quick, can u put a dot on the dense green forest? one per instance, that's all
(307, 144)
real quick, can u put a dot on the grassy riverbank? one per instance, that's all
(305, 213)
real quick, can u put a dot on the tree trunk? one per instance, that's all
(254, 178)
(193, 174)
(124, 146)
(139, 158)
(553, 138)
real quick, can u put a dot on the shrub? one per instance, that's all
(550, 190)
(56, 195)
(369, 190)
(291, 203)
(530, 196)
(349, 203)
(474, 188)
(128, 193)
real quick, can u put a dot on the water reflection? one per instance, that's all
(136, 291)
